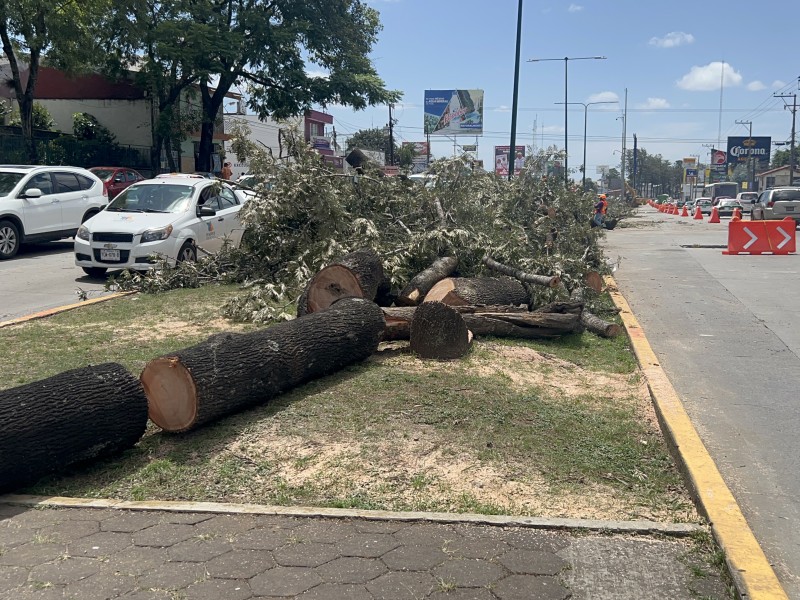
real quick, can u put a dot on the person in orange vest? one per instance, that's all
(600, 210)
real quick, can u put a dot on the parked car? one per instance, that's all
(777, 203)
(726, 207)
(169, 217)
(718, 199)
(116, 179)
(747, 199)
(41, 204)
(704, 204)
(689, 204)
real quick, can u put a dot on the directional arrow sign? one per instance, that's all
(753, 238)
(786, 238)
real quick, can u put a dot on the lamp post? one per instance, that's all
(566, 60)
(586, 106)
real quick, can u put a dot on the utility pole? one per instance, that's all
(752, 163)
(793, 108)
(391, 137)
(624, 136)
(512, 149)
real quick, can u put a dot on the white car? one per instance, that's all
(41, 204)
(166, 217)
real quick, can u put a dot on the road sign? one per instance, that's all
(691, 172)
(762, 237)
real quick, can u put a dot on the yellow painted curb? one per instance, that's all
(59, 309)
(749, 567)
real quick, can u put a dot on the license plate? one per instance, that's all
(790, 209)
(109, 254)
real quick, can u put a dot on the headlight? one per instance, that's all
(83, 233)
(155, 235)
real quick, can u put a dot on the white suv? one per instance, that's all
(170, 216)
(41, 204)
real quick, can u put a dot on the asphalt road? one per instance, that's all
(727, 331)
(42, 276)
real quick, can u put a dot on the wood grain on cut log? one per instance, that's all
(437, 331)
(66, 419)
(355, 275)
(230, 372)
(592, 322)
(593, 281)
(461, 291)
(545, 280)
(421, 284)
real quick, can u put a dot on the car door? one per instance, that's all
(229, 215)
(116, 183)
(209, 231)
(74, 200)
(42, 214)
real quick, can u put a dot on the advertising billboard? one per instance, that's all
(454, 112)
(501, 159)
(741, 149)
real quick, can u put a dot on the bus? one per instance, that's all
(723, 189)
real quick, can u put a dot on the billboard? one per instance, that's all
(501, 159)
(741, 149)
(454, 112)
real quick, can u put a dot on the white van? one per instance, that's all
(747, 199)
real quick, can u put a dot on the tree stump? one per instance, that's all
(355, 275)
(421, 284)
(230, 372)
(66, 419)
(460, 291)
(438, 331)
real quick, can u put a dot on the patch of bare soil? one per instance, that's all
(171, 328)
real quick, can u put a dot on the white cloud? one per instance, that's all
(318, 74)
(672, 39)
(603, 97)
(503, 108)
(778, 84)
(575, 8)
(755, 86)
(654, 103)
(709, 77)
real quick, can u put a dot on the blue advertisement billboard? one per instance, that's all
(741, 149)
(454, 112)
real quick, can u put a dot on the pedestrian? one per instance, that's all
(600, 211)
(226, 172)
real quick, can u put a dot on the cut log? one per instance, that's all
(230, 372)
(594, 281)
(421, 284)
(437, 331)
(592, 322)
(67, 419)
(355, 275)
(545, 280)
(461, 291)
(526, 325)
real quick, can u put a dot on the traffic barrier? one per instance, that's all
(714, 215)
(685, 212)
(698, 214)
(762, 237)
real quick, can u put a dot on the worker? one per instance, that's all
(227, 172)
(600, 210)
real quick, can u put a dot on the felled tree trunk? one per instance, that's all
(519, 324)
(545, 280)
(594, 323)
(66, 419)
(438, 331)
(355, 275)
(422, 283)
(230, 372)
(460, 291)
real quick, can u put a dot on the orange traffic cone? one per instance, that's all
(685, 212)
(698, 214)
(735, 218)
(714, 215)
(737, 214)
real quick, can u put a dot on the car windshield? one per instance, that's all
(166, 198)
(8, 181)
(779, 195)
(104, 174)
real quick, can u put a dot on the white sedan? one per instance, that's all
(167, 217)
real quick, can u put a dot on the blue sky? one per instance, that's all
(669, 56)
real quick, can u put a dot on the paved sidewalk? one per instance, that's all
(90, 553)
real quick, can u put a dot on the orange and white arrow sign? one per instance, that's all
(753, 239)
(786, 237)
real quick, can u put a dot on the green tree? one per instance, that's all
(277, 48)
(34, 30)
(372, 139)
(40, 118)
(781, 157)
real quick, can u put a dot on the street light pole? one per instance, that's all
(750, 179)
(566, 60)
(512, 151)
(586, 106)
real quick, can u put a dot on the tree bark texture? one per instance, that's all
(230, 372)
(592, 322)
(355, 275)
(460, 291)
(545, 280)
(421, 284)
(66, 419)
(438, 331)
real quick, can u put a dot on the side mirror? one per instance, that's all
(33, 193)
(205, 211)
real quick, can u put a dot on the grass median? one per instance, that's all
(559, 428)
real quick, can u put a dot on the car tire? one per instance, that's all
(95, 272)
(9, 240)
(88, 216)
(188, 253)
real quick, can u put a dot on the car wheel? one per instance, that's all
(9, 240)
(188, 253)
(95, 272)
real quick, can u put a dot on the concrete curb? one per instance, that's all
(747, 564)
(59, 309)
(629, 527)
